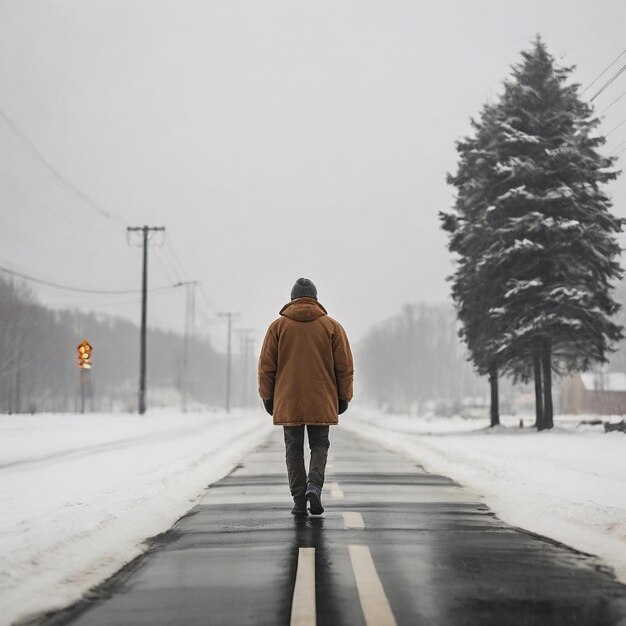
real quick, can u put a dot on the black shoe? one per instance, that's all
(314, 496)
(299, 507)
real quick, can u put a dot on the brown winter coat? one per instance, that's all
(305, 365)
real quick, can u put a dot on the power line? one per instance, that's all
(175, 258)
(618, 146)
(38, 203)
(71, 187)
(33, 203)
(166, 268)
(207, 300)
(108, 303)
(615, 128)
(172, 268)
(612, 103)
(179, 269)
(177, 264)
(50, 283)
(17, 235)
(609, 82)
(209, 320)
(604, 71)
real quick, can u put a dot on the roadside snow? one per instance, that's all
(81, 493)
(568, 484)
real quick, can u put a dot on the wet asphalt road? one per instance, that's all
(395, 546)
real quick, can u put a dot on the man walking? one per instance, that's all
(305, 379)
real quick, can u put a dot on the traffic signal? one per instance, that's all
(85, 351)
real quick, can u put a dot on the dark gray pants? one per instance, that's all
(294, 454)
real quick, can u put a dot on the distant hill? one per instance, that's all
(38, 370)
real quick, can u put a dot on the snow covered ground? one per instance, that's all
(568, 484)
(81, 493)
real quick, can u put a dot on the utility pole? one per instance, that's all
(251, 378)
(246, 355)
(190, 324)
(84, 362)
(146, 230)
(229, 316)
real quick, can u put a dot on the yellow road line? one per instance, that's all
(303, 603)
(352, 519)
(374, 603)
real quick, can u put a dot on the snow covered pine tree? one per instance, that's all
(549, 250)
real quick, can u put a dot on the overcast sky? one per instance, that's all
(273, 140)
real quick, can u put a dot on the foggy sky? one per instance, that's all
(272, 139)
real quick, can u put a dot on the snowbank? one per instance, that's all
(81, 493)
(568, 484)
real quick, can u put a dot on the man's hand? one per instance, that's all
(269, 405)
(343, 406)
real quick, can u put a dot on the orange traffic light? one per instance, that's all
(85, 351)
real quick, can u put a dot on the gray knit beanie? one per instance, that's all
(304, 288)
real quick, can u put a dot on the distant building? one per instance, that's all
(601, 393)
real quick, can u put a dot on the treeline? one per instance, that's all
(38, 370)
(415, 362)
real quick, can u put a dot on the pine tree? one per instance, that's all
(549, 248)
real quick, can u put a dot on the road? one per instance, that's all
(396, 545)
